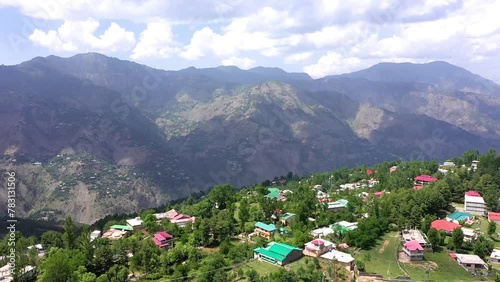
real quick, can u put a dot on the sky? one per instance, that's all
(319, 37)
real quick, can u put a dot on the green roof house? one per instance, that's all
(278, 253)
(121, 227)
(458, 216)
(264, 230)
(344, 226)
(274, 193)
(338, 205)
(287, 218)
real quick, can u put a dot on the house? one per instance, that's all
(424, 179)
(378, 194)
(114, 234)
(441, 224)
(163, 240)
(337, 205)
(449, 163)
(413, 250)
(278, 253)
(274, 193)
(495, 256)
(457, 216)
(408, 235)
(95, 234)
(121, 227)
(369, 172)
(469, 234)
(318, 187)
(474, 165)
(287, 218)
(174, 217)
(317, 247)
(321, 232)
(470, 262)
(393, 169)
(340, 257)
(264, 230)
(135, 223)
(344, 226)
(474, 203)
(494, 216)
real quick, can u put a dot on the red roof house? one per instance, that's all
(472, 194)
(369, 171)
(442, 224)
(425, 179)
(418, 187)
(163, 240)
(378, 194)
(413, 246)
(494, 216)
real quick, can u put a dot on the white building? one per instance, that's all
(495, 256)
(474, 203)
(135, 223)
(94, 235)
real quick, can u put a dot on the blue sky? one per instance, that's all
(318, 37)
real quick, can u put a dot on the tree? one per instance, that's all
(243, 212)
(433, 236)
(60, 265)
(492, 227)
(221, 195)
(85, 246)
(457, 238)
(69, 235)
(52, 239)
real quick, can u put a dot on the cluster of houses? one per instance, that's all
(161, 239)
(415, 243)
(281, 254)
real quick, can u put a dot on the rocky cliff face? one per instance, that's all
(114, 136)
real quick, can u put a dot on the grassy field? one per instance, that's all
(263, 268)
(382, 260)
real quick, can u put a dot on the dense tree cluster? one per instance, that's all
(211, 250)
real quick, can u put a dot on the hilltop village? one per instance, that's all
(408, 220)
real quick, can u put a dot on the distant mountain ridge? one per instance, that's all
(184, 131)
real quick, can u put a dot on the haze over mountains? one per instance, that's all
(116, 136)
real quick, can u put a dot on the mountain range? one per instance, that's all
(92, 135)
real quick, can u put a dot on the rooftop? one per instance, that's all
(121, 227)
(413, 235)
(274, 192)
(413, 246)
(425, 178)
(495, 254)
(441, 224)
(338, 256)
(459, 216)
(494, 216)
(470, 259)
(267, 227)
(338, 204)
(287, 216)
(134, 221)
(473, 193)
(277, 250)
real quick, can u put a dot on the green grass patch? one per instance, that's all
(382, 259)
(262, 267)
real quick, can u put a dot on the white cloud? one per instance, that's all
(80, 36)
(155, 42)
(334, 63)
(243, 63)
(298, 57)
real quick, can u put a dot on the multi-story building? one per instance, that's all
(414, 250)
(474, 203)
(265, 230)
